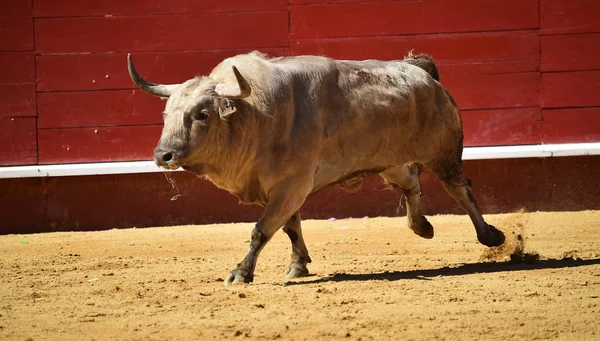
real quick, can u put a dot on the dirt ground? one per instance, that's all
(373, 279)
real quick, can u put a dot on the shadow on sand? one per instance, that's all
(460, 270)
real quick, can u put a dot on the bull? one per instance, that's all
(274, 130)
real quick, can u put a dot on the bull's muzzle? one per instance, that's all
(166, 158)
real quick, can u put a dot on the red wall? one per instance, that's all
(522, 71)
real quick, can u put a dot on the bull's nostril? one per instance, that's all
(167, 157)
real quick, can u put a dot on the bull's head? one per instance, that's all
(194, 113)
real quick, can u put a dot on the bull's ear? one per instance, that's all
(226, 107)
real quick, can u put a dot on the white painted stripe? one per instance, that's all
(529, 151)
(79, 169)
(469, 153)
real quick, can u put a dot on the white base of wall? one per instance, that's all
(469, 153)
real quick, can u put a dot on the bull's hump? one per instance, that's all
(251, 66)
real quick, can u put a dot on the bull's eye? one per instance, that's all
(201, 115)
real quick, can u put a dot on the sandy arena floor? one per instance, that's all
(373, 280)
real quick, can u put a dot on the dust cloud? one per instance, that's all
(514, 248)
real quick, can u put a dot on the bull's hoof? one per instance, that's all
(296, 270)
(238, 276)
(421, 227)
(491, 236)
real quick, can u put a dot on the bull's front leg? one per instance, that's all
(284, 201)
(300, 257)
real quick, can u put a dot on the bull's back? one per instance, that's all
(388, 113)
(392, 103)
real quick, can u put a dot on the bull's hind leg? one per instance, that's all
(455, 182)
(300, 257)
(406, 179)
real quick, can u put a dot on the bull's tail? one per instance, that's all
(425, 62)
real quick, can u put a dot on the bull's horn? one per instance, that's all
(240, 90)
(159, 90)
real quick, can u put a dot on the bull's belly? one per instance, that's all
(348, 177)
(345, 159)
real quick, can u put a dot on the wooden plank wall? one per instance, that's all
(18, 143)
(522, 71)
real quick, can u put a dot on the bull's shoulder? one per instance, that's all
(303, 60)
(261, 63)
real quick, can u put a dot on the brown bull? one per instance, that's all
(273, 131)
